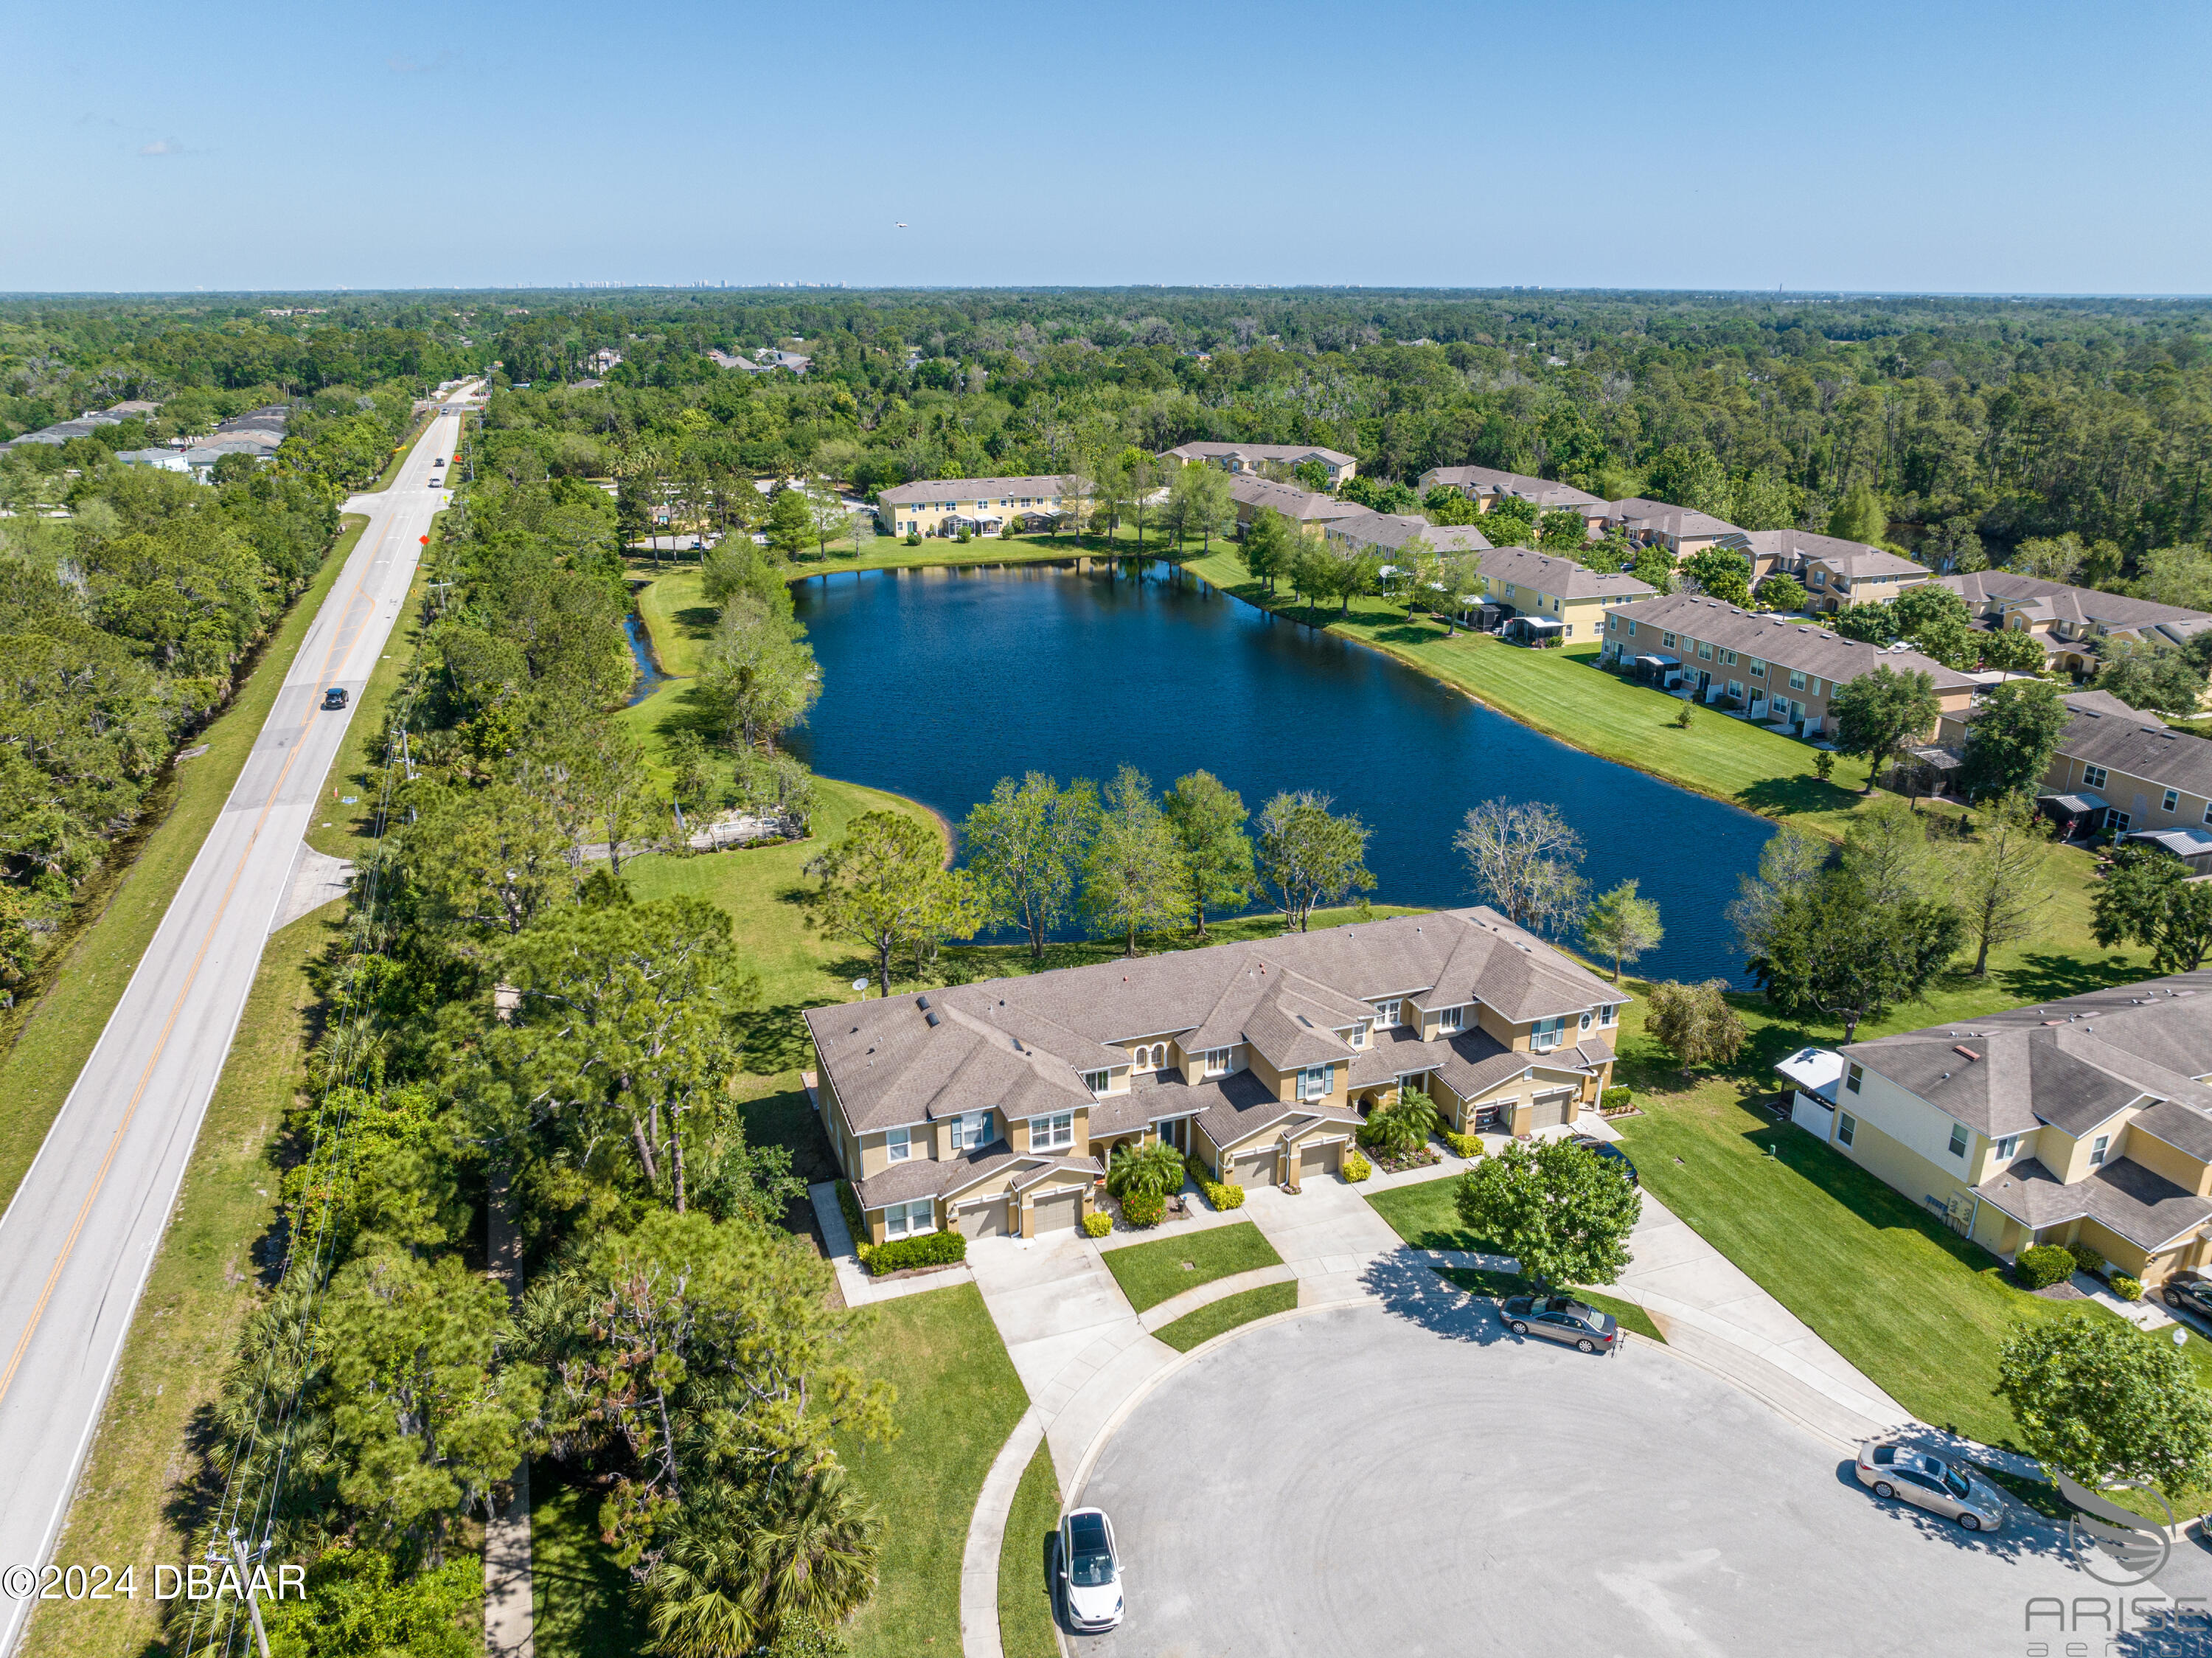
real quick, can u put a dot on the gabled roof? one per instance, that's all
(1303, 505)
(2145, 1208)
(1801, 544)
(1548, 574)
(1543, 492)
(2104, 731)
(1990, 591)
(1683, 523)
(974, 489)
(1802, 646)
(1395, 529)
(1282, 453)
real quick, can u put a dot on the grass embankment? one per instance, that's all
(187, 1325)
(1215, 1317)
(1149, 1273)
(83, 977)
(1025, 1621)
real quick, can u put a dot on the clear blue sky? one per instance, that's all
(2021, 147)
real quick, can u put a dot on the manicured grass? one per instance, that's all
(186, 1328)
(1210, 1320)
(1424, 1214)
(1149, 1273)
(959, 1398)
(578, 1596)
(82, 979)
(1026, 1623)
(679, 620)
(1498, 1285)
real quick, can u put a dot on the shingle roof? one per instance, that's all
(1801, 544)
(1395, 529)
(1537, 491)
(2119, 739)
(1303, 505)
(972, 489)
(1563, 577)
(2071, 1063)
(1798, 645)
(2145, 1208)
(1864, 564)
(931, 1176)
(1991, 590)
(1022, 1044)
(1289, 453)
(1636, 512)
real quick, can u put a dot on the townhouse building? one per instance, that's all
(2068, 618)
(2116, 768)
(1531, 583)
(1389, 533)
(1782, 672)
(1309, 511)
(1241, 458)
(1486, 486)
(1680, 530)
(2087, 1120)
(981, 506)
(995, 1107)
(1835, 573)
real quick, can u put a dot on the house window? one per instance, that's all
(2172, 799)
(1605, 1014)
(1386, 1014)
(1094, 1080)
(971, 1130)
(2098, 1148)
(1053, 1133)
(2116, 821)
(1797, 680)
(1216, 1062)
(1587, 1020)
(1819, 578)
(1544, 1034)
(1667, 640)
(1632, 629)
(900, 1144)
(1959, 1138)
(1727, 658)
(2006, 1147)
(1612, 625)
(1705, 651)
(1448, 1018)
(2092, 777)
(2208, 814)
(1313, 1082)
(1851, 1075)
(1847, 1126)
(1356, 1036)
(1759, 670)
(908, 1220)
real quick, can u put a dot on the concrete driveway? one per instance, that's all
(1402, 1476)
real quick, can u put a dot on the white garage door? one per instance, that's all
(1056, 1211)
(986, 1219)
(1319, 1160)
(1255, 1170)
(1552, 1109)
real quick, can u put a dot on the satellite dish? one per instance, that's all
(860, 983)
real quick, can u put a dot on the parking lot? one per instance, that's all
(1409, 1478)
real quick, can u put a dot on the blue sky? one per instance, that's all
(2010, 148)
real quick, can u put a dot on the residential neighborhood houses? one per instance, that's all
(1570, 596)
(2119, 768)
(981, 506)
(992, 1108)
(1241, 459)
(2067, 619)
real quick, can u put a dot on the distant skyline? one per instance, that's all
(2028, 149)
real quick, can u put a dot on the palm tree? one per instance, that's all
(815, 1554)
(697, 1596)
(1154, 1170)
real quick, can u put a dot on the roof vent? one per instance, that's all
(1969, 1052)
(933, 1019)
(1946, 1077)
(921, 1002)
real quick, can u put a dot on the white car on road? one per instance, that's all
(1089, 1572)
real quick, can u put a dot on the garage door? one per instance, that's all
(984, 1219)
(1056, 1211)
(1256, 1171)
(1552, 1109)
(1319, 1160)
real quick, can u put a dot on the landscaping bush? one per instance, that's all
(1144, 1208)
(914, 538)
(1397, 1130)
(2043, 1265)
(931, 1249)
(1154, 1170)
(2127, 1288)
(849, 1203)
(2087, 1258)
(1356, 1168)
(1220, 1196)
(1619, 1097)
(1097, 1223)
(1462, 1145)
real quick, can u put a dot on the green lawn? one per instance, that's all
(1426, 1216)
(677, 619)
(959, 1398)
(1026, 1624)
(1210, 1320)
(578, 1596)
(184, 1334)
(82, 978)
(1149, 1273)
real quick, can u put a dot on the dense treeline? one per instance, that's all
(510, 1027)
(129, 597)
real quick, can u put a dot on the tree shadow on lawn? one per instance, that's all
(2042, 976)
(1777, 797)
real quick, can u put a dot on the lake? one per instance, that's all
(938, 683)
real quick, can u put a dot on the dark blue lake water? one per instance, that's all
(938, 683)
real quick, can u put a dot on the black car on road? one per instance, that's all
(1561, 1318)
(2190, 1292)
(334, 696)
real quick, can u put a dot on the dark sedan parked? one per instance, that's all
(1561, 1318)
(2189, 1292)
(1612, 1153)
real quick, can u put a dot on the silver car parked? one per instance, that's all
(1929, 1482)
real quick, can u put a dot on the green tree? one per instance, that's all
(1355, 576)
(1860, 516)
(1524, 858)
(1154, 1169)
(1556, 1208)
(1309, 855)
(2176, 576)
(790, 526)
(1271, 544)
(1208, 818)
(1696, 1023)
(1780, 591)
(1762, 500)
(759, 676)
(1510, 522)
(885, 887)
(1623, 926)
(2104, 1402)
(1134, 878)
(1881, 714)
(2153, 677)
(1404, 1126)
(2000, 882)
(2147, 898)
(358, 1604)
(1562, 530)
(1445, 504)
(1653, 566)
(2013, 650)
(1690, 475)
(1025, 847)
(1954, 545)
(2012, 738)
(1720, 573)
(1831, 951)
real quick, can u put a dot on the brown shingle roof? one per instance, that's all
(1302, 505)
(1284, 454)
(975, 489)
(1637, 512)
(1796, 645)
(1563, 576)
(2145, 1208)
(1990, 590)
(1537, 491)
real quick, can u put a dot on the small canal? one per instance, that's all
(938, 683)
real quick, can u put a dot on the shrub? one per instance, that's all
(914, 538)
(2043, 1265)
(1097, 1223)
(931, 1249)
(2127, 1288)
(1462, 1145)
(1397, 1130)
(1356, 1168)
(1154, 1170)
(1143, 1207)
(1618, 1097)
(848, 1205)
(2087, 1258)
(1220, 1196)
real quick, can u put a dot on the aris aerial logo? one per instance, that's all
(2112, 1544)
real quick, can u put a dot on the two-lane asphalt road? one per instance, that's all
(81, 1232)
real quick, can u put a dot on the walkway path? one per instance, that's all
(510, 1625)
